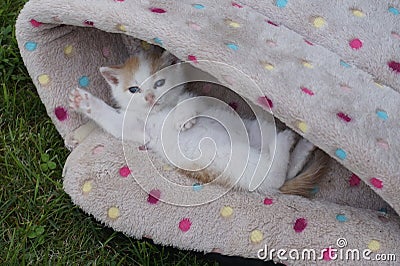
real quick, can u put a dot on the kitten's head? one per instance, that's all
(135, 79)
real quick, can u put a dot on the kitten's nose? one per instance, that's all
(150, 97)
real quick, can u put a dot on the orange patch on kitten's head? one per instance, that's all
(124, 74)
(126, 71)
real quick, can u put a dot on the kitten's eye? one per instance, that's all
(134, 89)
(159, 83)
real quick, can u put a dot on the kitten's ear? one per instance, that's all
(168, 59)
(111, 75)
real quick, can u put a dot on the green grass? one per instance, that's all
(38, 223)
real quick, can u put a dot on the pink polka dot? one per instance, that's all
(356, 44)
(354, 180)
(124, 171)
(88, 23)
(185, 224)
(307, 91)
(194, 26)
(98, 149)
(157, 10)
(142, 148)
(395, 66)
(383, 143)
(345, 87)
(395, 35)
(272, 23)
(268, 201)
(207, 88)
(234, 105)
(154, 196)
(106, 52)
(300, 225)
(328, 254)
(119, 0)
(376, 182)
(265, 101)
(308, 42)
(35, 23)
(271, 43)
(192, 58)
(61, 113)
(237, 5)
(344, 117)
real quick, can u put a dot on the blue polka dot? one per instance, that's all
(197, 187)
(84, 81)
(30, 46)
(382, 115)
(394, 10)
(281, 3)
(233, 46)
(198, 6)
(344, 64)
(384, 210)
(158, 41)
(341, 218)
(315, 190)
(341, 154)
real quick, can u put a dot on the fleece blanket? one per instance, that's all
(330, 70)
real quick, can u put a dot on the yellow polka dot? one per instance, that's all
(68, 50)
(121, 27)
(87, 187)
(113, 212)
(268, 66)
(374, 245)
(319, 22)
(44, 79)
(232, 23)
(226, 211)
(167, 167)
(145, 45)
(302, 126)
(357, 13)
(307, 64)
(256, 236)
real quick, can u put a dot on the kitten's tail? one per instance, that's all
(304, 183)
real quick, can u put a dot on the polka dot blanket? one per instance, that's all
(330, 70)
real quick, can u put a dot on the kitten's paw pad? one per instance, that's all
(79, 100)
(189, 124)
(182, 123)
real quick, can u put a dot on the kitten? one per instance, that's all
(224, 161)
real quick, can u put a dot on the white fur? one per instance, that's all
(243, 156)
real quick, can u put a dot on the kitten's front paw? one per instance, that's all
(182, 122)
(80, 100)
